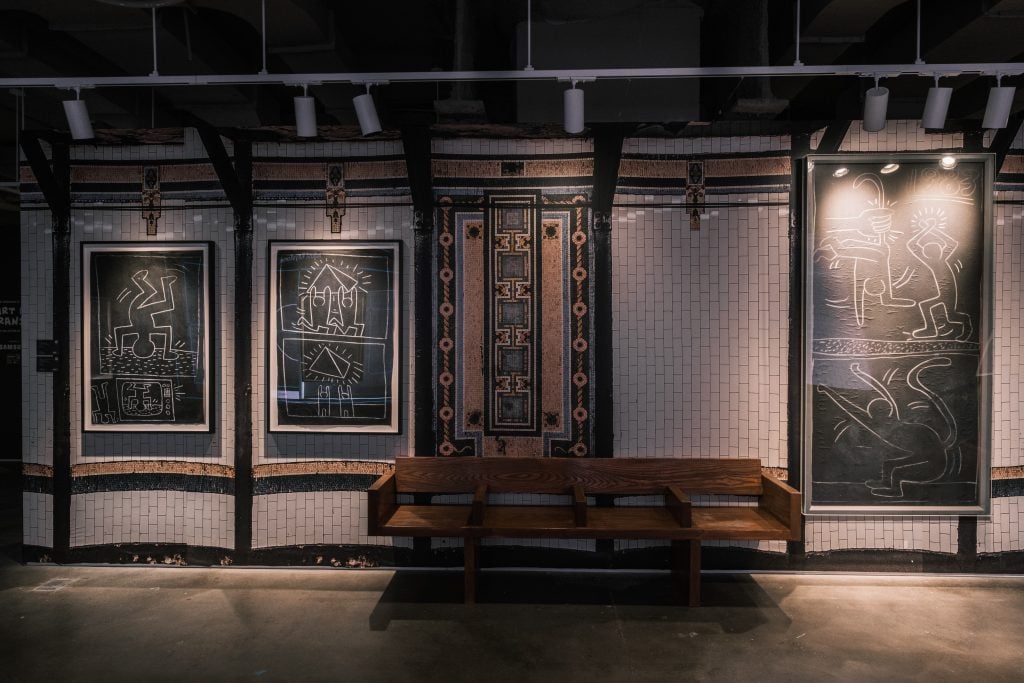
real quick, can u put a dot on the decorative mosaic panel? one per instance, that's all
(513, 325)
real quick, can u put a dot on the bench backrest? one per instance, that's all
(596, 475)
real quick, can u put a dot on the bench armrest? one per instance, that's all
(783, 502)
(476, 510)
(579, 505)
(381, 503)
(678, 504)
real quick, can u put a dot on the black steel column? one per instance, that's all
(61, 224)
(243, 351)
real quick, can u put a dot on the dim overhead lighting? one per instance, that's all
(573, 104)
(840, 172)
(366, 112)
(936, 106)
(1000, 101)
(305, 114)
(948, 162)
(78, 117)
(876, 101)
(890, 168)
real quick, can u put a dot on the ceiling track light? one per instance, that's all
(876, 101)
(305, 114)
(1000, 102)
(366, 112)
(77, 115)
(572, 102)
(936, 106)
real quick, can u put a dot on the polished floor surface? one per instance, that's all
(141, 623)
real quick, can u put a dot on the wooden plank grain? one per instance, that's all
(579, 505)
(380, 503)
(678, 504)
(736, 476)
(783, 501)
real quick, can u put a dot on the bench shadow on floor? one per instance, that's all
(735, 601)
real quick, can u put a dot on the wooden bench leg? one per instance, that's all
(686, 567)
(472, 564)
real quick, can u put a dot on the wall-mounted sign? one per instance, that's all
(10, 332)
(333, 346)
(146, 336)
(896, 326)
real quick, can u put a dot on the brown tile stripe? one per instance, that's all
(93, 469)
(285, 171)
(369, 170)
(652, 168)
(182, 173)
(285, 469)
(558, 168)
(107, 174)
(1016, 472)
(31, 469)
(466, 169)
(1013, 163)
(780, 473)
(746, 166)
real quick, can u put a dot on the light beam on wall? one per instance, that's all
(305, 114)
(78, 118)
(876, 101)
(366, 112)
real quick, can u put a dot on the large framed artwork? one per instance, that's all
(897, 316)
(146, 349)
(333, 349)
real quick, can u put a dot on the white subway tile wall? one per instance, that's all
(36, 324)
(182, 517)
(1003, 532)
(37, 519)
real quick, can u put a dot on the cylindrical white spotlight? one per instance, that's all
(366, 112)
(936, 107)
(876, 100)
(305, 116)
(997, 111)
(573, 103)
(78, 119)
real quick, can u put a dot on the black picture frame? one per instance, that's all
(897, 332)
(147, 336)
(334, 336)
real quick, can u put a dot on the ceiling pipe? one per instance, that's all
(1004, 69)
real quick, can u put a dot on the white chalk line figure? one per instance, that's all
(936, 250)
(864, 241)
(143, 335)
(928, 456)
(332, 302)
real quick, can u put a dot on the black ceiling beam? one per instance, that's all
(237, 186)
(607, 155)
(56, 191)
(833, 137)
(416, 145)
(1004, 137)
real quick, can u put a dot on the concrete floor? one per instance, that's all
(61, 623)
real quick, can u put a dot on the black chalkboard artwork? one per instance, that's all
(896, 319)
(146, 336)
(334, 336)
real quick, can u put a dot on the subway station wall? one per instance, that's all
(700, 335)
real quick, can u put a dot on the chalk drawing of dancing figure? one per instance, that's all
(143, 334)
(936, 250)
(864, 242)
(925, 454)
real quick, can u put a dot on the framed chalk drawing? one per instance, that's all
(146, 348)
(897, 316)
(333, 336)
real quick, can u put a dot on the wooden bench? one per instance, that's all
(775, 517)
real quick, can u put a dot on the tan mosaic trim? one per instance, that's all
(93, 469)
(31, 469)
(180, 173)
(555, 168)
(652, 168)
(1013, 163)
(756, 166)
(106, 174)
(1015, 472)
(283, 171)
(780, 473)
(370, 170)
(323, 467)
(465, 169)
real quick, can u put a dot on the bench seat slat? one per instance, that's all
(739, 523)
(428, 520)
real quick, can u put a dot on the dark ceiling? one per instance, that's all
(52, 38)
